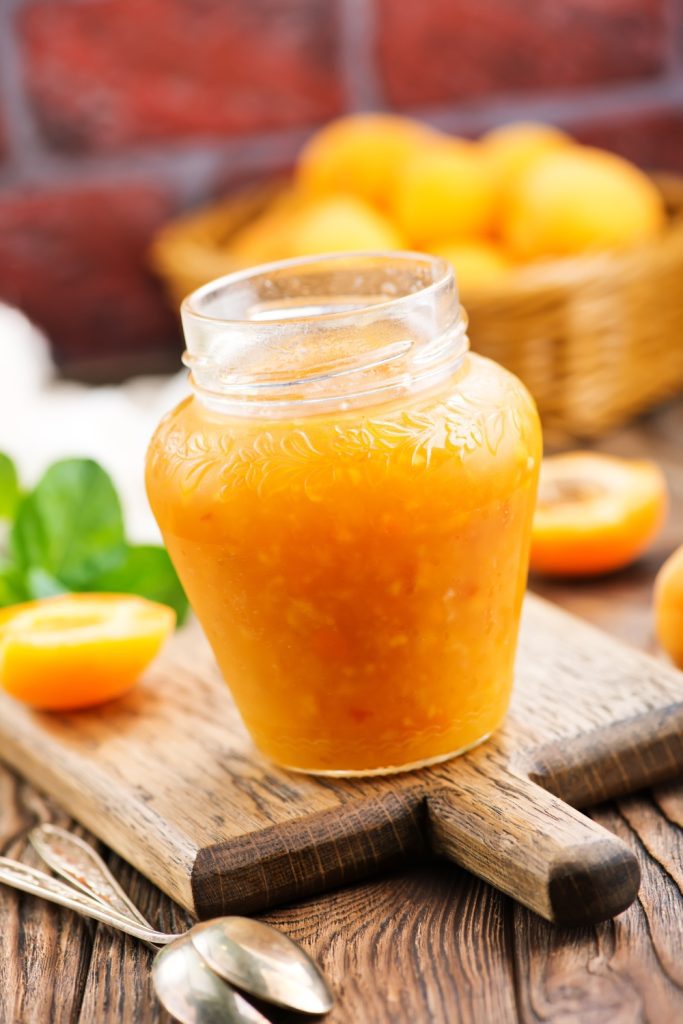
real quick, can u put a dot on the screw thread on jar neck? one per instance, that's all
(341, 331)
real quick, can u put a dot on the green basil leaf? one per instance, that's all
(70, 525)
(42, 584)
(146, 570)
(13, 588)
(9, 487)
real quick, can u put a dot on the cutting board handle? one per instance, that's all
(534, 847)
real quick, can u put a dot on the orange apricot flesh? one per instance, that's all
(595, 513)
(78, 650)
(668, 606)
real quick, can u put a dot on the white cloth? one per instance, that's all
(43, 419)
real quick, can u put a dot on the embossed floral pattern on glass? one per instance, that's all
(358, 566)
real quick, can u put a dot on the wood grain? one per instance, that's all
(118, 987)
(565, 867)
(169, 779)
(622, 971)
(431, 944)
(35, 937)
(588, 773)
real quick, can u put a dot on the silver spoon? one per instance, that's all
(81, 865)
(249, 954)
(192, 993)
(185, 984)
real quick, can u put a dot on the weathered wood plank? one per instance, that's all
(169, 779)
(119, 985)
(618, 972)
(459, 964)
(44, 951)
(426, 945)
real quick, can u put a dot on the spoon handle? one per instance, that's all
(20, 876)
(77, 862)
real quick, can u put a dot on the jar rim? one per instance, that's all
(345, 328)
(442, 275)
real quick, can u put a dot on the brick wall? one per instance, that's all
(115, 114)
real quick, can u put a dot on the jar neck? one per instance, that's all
(326, 333)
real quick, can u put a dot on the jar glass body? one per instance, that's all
(357, 558)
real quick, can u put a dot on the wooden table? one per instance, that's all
(431, 943)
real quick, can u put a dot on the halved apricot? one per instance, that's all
(78, 650)
(595, 513)
(668, 601)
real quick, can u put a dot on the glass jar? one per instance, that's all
(347, 498)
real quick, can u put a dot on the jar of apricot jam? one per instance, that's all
(347, 497)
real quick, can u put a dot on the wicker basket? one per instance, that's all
(596, 339)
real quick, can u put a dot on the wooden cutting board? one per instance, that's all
(170, 780)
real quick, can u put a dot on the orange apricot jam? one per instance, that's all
(358, 564)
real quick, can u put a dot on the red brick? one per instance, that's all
(108, 73)
(437, 50)
(653, 139)
(75, 262)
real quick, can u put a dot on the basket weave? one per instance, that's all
(596, 339)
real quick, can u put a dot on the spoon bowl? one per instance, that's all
(264, 962)
(193, 994)
(194, 973)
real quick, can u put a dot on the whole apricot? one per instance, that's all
(266, 237)
(446, 191)
(578, 199)
(360, 155)
(668, 606)
(512, 148)
(475, 262)
(341, 223)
